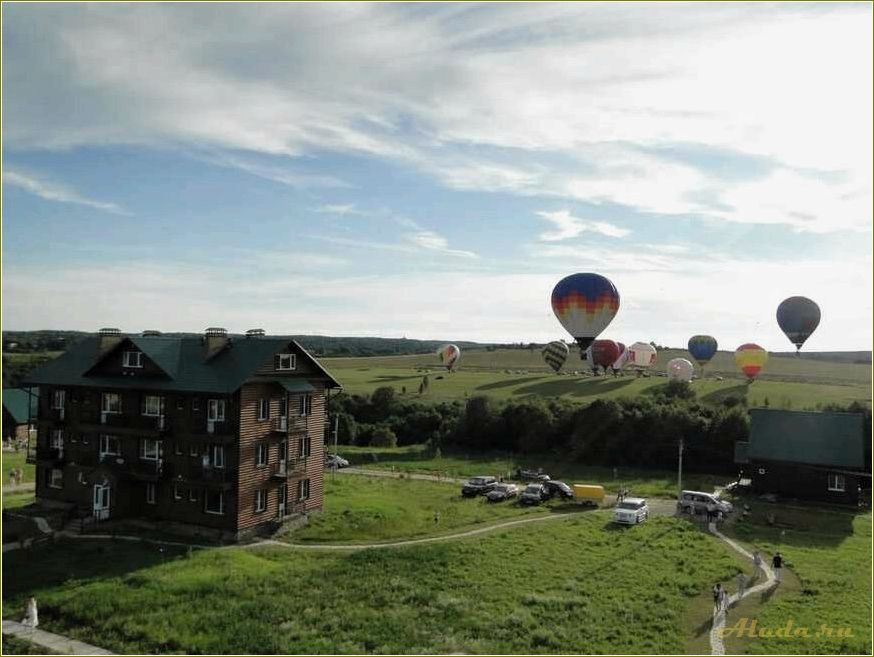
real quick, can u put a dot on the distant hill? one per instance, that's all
(860, 357)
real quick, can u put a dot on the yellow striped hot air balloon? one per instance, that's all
(750, 358)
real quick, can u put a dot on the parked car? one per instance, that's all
(533, 494)
(531, 475)
(631, 511)
(693, 501)
(478, 486)
(335, 461)
(502, 492)
(559, 489)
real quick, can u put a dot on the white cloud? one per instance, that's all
(53, 191)
(281, 175)
(343, 210)
(568, 226)
(431, 241)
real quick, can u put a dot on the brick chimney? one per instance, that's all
(214, 340)
(107, 338)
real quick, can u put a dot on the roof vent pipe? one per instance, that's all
(255, 333)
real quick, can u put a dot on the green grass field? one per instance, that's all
(416, 458)
(15, 646)
(787, 382)
(380, 509)
(17, 460)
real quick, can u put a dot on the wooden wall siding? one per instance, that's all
(315, 469)
(303, 364)
(252, 431)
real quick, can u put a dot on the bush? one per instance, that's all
(383, 436)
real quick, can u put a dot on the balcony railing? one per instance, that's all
(139, 422)
(288, 468)
(279, 424)
(147, 469)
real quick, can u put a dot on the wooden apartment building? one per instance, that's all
(209, 433)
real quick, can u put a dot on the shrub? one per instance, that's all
(383, 436)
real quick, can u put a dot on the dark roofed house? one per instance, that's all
(19, 414)
(206, 433)
(810, 455)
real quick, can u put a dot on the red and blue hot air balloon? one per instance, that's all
(702, 348)
(798, 317)
(585, 304)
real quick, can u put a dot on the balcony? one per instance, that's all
(146, 470)
(150, 423)
(208, 474)
(290, 468)
(54, 454)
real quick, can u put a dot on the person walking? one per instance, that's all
(711, 512)
(758, 571)
(31, 617)
(723, 600)
(741, 581)
(717, 597)
(777, 565)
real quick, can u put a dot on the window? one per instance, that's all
(192, 450)
(303, 489)
(218, 456)
(178, 448)
(304, 449)
(306, 404)
(151, 492)
(111, 402)
(55, 478)
(150, 449)
(285, 362)
(192, 494)
(153, 405)
(260, 500)
(261, 454)
(177, 492)
(133, 359)
(180, 404)
(56, 441)
(214, 502)
(109, 446)
(216, 410)
(263, 409)
(195, 404)
(58, 398)
(836, 482)
(283, 407)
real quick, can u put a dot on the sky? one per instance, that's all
(432, 170)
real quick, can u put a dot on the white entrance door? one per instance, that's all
(101, 502)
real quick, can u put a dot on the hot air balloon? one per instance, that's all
(585, 304)
(641, 355)
(619, 363)
(702, 348)
(750, 358)
(449, 356)
(555, 354)
(680, 369)
(798, 317)
(604, 353)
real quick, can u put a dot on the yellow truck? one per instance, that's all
(588, 494)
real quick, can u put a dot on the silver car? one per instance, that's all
(631, 511)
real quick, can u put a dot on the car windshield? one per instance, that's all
(630, 506)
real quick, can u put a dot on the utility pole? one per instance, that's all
(336, 424)
(680, 470)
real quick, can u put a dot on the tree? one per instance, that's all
(383, 436)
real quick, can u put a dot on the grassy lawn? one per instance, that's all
(17, 460)
(17, 500)
(787, 382)
(377, 509)
(13, 645)
(830, 553)
(578, 585)
(415, 458)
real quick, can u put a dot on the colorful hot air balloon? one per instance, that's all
(798, 317)
(680, 369)
(641, 355)
(604, 353)
(619, 363)
(750, 358)
(449, 356)
(555, 354)
(702, 348)
(585, 304)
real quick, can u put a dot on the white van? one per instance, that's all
(693, 501)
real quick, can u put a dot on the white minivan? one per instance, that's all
(631, 511)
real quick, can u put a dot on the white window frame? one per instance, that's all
(306, 405)
(303, 490)
(56, 439)
(260, 500)
(132, 359)
(221, 497)
(104, 445)
(106, 407)
(56, 478)
(286, 362)
(145, 454)
(837, 482)
(216, 410)
(217, 456)
(262, 449)
(157, 403)
(263, 409)
(305, 447)
(58, 399)
(177, 492)
(151, 492)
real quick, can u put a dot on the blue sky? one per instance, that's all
(432, 170)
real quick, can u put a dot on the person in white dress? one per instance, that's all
(31, 617)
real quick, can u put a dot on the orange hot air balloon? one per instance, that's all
(750, 358)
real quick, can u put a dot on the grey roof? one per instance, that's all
(181, 359)
(827, 439)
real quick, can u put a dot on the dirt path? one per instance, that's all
(19, 488)
(55, 642)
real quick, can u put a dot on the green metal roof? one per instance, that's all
(15, 402)
(295, 385)
(828, 439)
(180, 358)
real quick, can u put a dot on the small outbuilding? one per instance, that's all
(811, 455)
